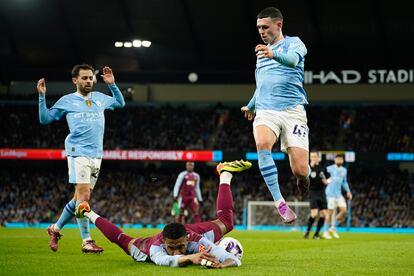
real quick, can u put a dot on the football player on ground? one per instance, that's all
(183, 244)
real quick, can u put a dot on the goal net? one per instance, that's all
(264, 213)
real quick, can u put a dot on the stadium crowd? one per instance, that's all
(217, 127)
(145, 196)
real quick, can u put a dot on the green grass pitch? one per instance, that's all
(26, 252)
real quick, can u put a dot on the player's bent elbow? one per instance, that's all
(120, 104)
(44, 121)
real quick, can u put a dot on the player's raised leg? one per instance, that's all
(265, 139)
(225, 216)
(299, 158)
(224, 204)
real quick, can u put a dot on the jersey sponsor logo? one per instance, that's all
(190, 182)
(88, 116)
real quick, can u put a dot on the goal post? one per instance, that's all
(264, 213)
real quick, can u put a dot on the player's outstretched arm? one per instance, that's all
(109, 79)
(44, 116)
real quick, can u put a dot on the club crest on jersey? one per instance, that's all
(201, 248)
(88, 103)
(98, 103)
(280, 50)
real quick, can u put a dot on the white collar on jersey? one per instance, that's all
(82, 96)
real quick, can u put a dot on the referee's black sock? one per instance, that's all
(310, 223)
(321, 221)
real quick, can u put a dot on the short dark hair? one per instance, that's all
(174, 231)
(78, 67)
(271, 12)
(340, 155)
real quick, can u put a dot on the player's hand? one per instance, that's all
(108, 76)
(206, 256)
(248, 113)
(41, 87)
(226, 263)
(263, 51)
(349, 195)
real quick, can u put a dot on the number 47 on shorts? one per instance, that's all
(300, 130)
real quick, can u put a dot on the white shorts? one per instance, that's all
(84, 170)
(334, 202)
(289, 125)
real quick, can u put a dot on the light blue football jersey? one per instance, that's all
(338, 177)
(279, 86)
(85, 117)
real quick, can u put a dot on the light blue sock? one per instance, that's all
(84, 228)
(337, 222)
(326, 226)
(67, 214)
(269, 172)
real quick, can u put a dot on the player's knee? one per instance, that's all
(227, 221)
(228, 224)
(300, 171)
(262, 144)
(83, 192)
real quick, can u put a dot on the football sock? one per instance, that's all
(326, 226)
(225, 206)
(84, 228)
(269, 172)
(113, 233)
(321, 221)
(92, 216)
(310, 223)
(66, 216)
(196, 217)
(180, 217)
(225, 178)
